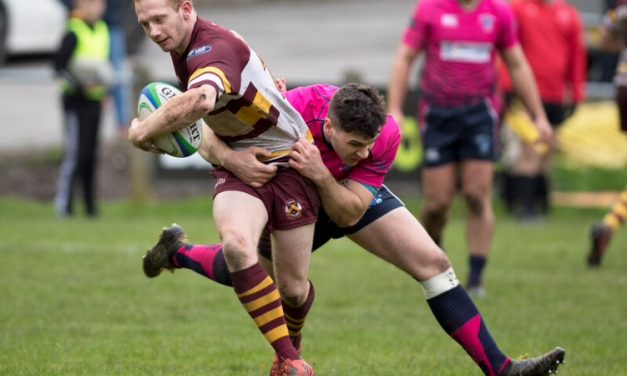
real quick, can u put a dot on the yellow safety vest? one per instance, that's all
(92, 44)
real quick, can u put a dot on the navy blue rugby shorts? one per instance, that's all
(453, 134)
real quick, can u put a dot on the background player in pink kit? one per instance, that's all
(226, 84)
(460, 39)
(349, 166)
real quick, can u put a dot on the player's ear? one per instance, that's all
(186, 8)
(328, 125)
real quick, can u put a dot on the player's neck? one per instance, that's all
(469, 4)
(188, 36)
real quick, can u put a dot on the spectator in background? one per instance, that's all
(460, 40)
(82, 66)
(614, 38)
(552, 38)
(115, 16)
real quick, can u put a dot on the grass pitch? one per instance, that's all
(75, 301)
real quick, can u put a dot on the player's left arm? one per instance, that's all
(344, 203)
(175, 114)
(525, 85)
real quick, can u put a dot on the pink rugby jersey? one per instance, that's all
(460, 48)
(312, 102)
(250, 110)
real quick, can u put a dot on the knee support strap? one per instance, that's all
(440, 284)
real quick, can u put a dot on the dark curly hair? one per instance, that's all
(359, 109)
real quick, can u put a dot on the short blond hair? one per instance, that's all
(175, 3)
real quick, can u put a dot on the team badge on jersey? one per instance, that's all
(199, 51)
(487, 23)
(293, 209)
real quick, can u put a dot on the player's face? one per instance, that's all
(350, 147)
(164, 23)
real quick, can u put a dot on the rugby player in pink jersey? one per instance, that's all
(459, 40)
(348, 164)
(225, 83)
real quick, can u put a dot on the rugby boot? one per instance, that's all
(160, 256)
(298, 367)
(600, 236)
(276, 364)
(542, 365)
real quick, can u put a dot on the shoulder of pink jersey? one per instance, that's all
(390, 133)
(427, 4)
(311, 92)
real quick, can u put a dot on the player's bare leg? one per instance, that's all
(291, 256)
(398, 238)
(477, 179)
(438, 184)
(240, 231)
(291, 252)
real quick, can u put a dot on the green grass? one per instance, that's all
(75, 301)
(568, 178)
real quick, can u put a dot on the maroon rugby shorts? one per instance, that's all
(290, 199)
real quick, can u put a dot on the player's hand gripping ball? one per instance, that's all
(180, 144)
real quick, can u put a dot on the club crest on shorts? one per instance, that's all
(293, 209)
(219, 182)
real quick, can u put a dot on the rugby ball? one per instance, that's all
(180, 144)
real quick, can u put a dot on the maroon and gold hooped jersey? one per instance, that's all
(250, 110)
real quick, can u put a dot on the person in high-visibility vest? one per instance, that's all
(83, 70)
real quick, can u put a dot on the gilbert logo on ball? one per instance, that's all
(181, 143)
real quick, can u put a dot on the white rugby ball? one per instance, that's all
(180, 144)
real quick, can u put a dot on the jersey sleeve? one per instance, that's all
(298, 98)
(373, 171)
(416, 32)
(312, 102)
(509, 32)
(218, 64)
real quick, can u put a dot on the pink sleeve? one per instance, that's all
(509, 32)
(297, 98)
(415, 34)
